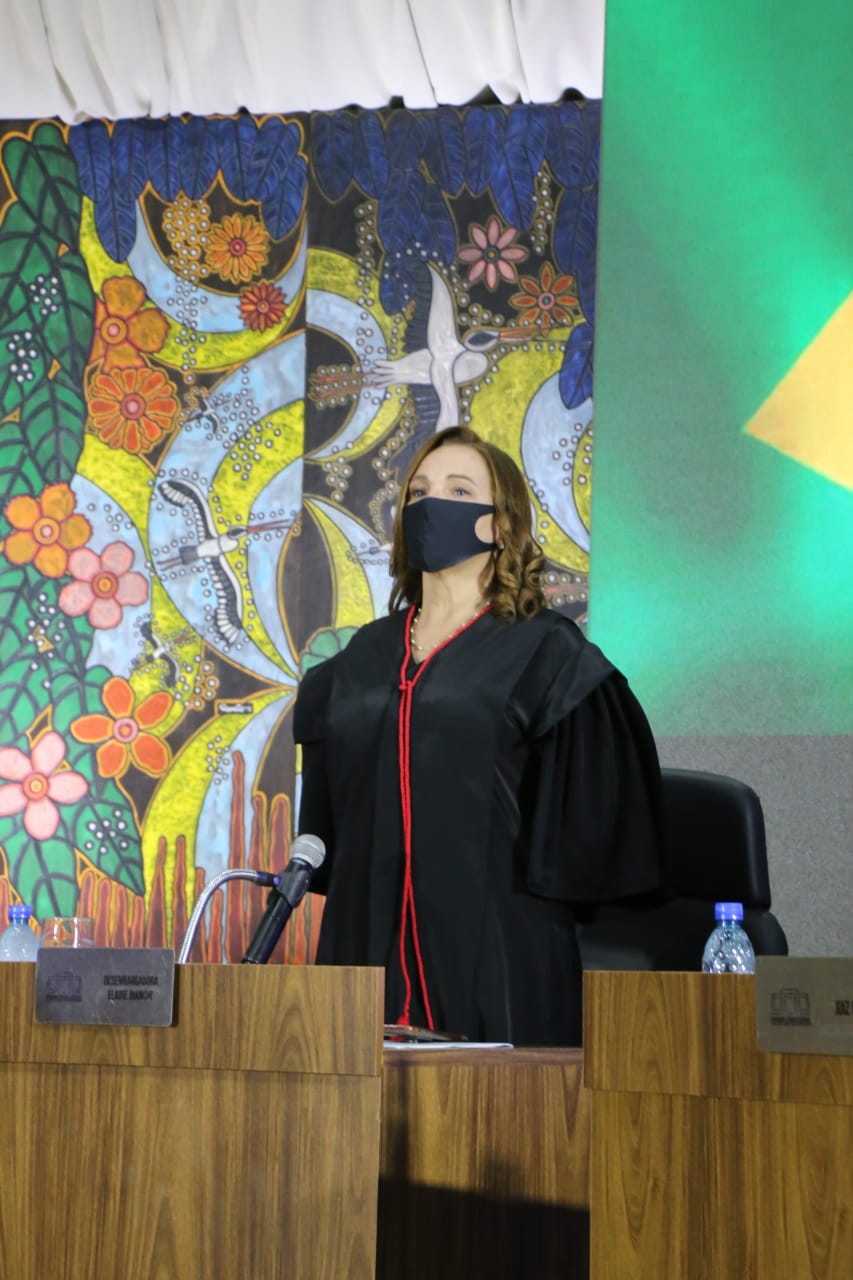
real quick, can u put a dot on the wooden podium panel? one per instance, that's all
(709, 1159)
(242, 1143)
(484, 1165)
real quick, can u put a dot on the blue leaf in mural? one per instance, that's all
(199, 157)
(235, 143)
(283, 206)
(435, 229)
(591, 118)
(485, 130)
(115, 222)
(567, 144)
(275, 148)
(331, 151)
(575, 228)
(163, 155)
(404, 140)
(444, 148)
(398, 285)
(90, 145)
(512, 182)
(370, 153)
(527, 127)
(130, 172)
(576, 373)
(400, 208)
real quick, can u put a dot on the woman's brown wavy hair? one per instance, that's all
(515, 587)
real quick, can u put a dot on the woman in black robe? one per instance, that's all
(475, 767)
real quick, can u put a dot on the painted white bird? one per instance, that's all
(211, 548)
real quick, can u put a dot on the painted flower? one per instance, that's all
(124, 732)
(492, 253)
(36, 784)
(132, 408)
(123, 330)
(103, 585)
(261, 306)
(546, 301)
(237, 247)
(45, 529)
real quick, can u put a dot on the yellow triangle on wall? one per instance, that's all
(809, 414)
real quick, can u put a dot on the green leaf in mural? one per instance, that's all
(16, 586)
(70, 639)
(23, 363)
(43, 176)
(25, 253)
(105, 831)
(44, 872)
(18, 473)
(53, 418)
(22, 700)
(325, 644)
(61, 309)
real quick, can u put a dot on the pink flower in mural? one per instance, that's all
(492, 253)
(123, 330)
(261, 306)
(103, 585)
(45, 529)
(36, 784)
(124, 732)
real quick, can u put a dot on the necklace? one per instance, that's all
(422, 648)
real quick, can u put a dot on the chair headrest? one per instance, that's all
(714, 840)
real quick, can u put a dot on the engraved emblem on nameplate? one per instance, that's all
(105, 986)
(804, 1004)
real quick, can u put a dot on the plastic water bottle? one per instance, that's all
(18, 942)
(728, 950)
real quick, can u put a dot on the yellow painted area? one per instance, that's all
(336, 273)
(214, 351)
(177, 802)
(497, 413)
(99, 263)
(236, 494)
(123, 476)
(353, 601)
(233, 497)
(809, 414)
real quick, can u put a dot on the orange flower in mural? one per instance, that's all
(546, 301)
(261, 306)
(45, 530)
(132, 408)
(124, 732)
(123, 330)
(237, 247)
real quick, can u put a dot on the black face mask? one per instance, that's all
(439, 532)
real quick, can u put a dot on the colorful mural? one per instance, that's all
(221, 341)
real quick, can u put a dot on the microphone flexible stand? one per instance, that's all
(266, 878)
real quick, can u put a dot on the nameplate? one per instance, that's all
(804, 1004)
(105, 986)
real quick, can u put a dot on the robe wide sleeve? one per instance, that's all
(309, 730)
(595, 832)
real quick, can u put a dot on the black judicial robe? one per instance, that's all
(534, 785)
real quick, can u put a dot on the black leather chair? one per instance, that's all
(715, 851)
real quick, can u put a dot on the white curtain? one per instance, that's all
(116, 58)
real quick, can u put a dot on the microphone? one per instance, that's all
(306, 855)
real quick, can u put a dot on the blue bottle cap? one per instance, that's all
(728, 911)
(19, 913)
